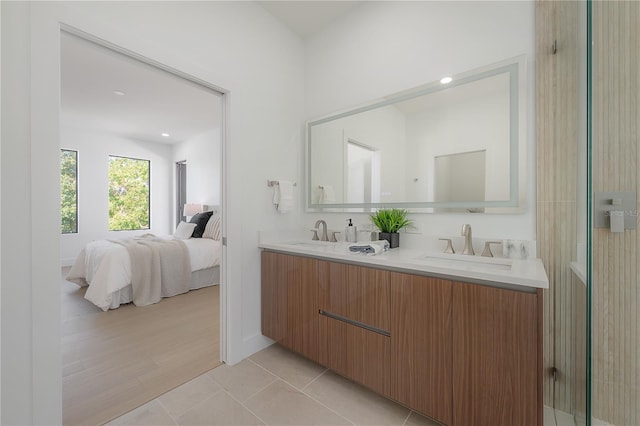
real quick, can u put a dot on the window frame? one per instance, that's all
(148, 195)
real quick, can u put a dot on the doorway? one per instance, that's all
(181, 190)
(363, 173)
(113, 357)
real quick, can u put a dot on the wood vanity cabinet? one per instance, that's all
(290, 302)
(355, 323)
(421, 360)
(463, 354)
(496, 357)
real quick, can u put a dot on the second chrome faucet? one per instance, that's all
(468, 240)
(468, 243)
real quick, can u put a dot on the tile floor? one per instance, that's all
(272, 387)
(277, 387)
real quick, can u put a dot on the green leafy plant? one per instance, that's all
(391, 220)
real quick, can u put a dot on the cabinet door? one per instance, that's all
(357, 293)
(274, 295)
(290, 302)
(357, 353)
(494, 356)
(421, 344)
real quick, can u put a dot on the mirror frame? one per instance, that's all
(516, 67)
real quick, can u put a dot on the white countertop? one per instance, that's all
(511, 272)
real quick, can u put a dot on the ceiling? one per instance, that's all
(155, 101)
(306, 18)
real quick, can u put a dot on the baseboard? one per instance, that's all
(255, 343)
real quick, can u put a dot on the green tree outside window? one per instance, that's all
(68, 191)
(129, 194)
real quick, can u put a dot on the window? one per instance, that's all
(68, 191)
(129, 193)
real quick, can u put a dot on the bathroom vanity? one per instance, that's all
(459, 340)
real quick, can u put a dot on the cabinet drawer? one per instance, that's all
(357, 353)
(357, 293)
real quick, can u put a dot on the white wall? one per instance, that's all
(16, 226)
(1, 207)
(204, 167)
(382, 129)
(234, 45)
(93, 186)
(469, 125)
(382, 48)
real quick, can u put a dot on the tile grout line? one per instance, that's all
(301, 391)
(316, 378)
(407, 418)
(173, 419)
(327, 407)
(244, 406)
(278, 377)
(275, 379)
(358, 384)
(281, 378)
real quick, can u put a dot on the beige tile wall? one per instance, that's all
(616, 297)
(557, 132)
(616, 118)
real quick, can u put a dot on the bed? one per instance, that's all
(147, 268)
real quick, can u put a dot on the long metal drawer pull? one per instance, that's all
(356, 323)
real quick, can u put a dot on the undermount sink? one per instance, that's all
(311, 244)
(466, 262)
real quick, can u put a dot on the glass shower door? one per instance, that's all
(614, 293)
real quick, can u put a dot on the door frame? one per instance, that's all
(224, 125)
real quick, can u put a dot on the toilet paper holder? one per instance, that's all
(617, 211)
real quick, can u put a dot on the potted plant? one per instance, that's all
(389, 222)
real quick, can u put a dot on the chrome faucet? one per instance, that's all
(468, 241)
(324, 236)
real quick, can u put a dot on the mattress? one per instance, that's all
(105, 267)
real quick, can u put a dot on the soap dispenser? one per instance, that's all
(350, 232)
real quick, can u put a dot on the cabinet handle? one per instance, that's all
(353, 322)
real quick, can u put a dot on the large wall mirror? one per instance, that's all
(455, 145)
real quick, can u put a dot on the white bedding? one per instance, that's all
(106, 267)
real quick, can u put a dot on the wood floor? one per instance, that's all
(117, 360)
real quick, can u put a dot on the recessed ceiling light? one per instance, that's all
(119, 92)
(166, 135)
(446, 80)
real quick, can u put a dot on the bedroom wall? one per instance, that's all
(382, 48)
(237, 46)
(204, 168)
(93, 185)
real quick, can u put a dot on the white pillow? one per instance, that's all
(212, 230)
(184, 230)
